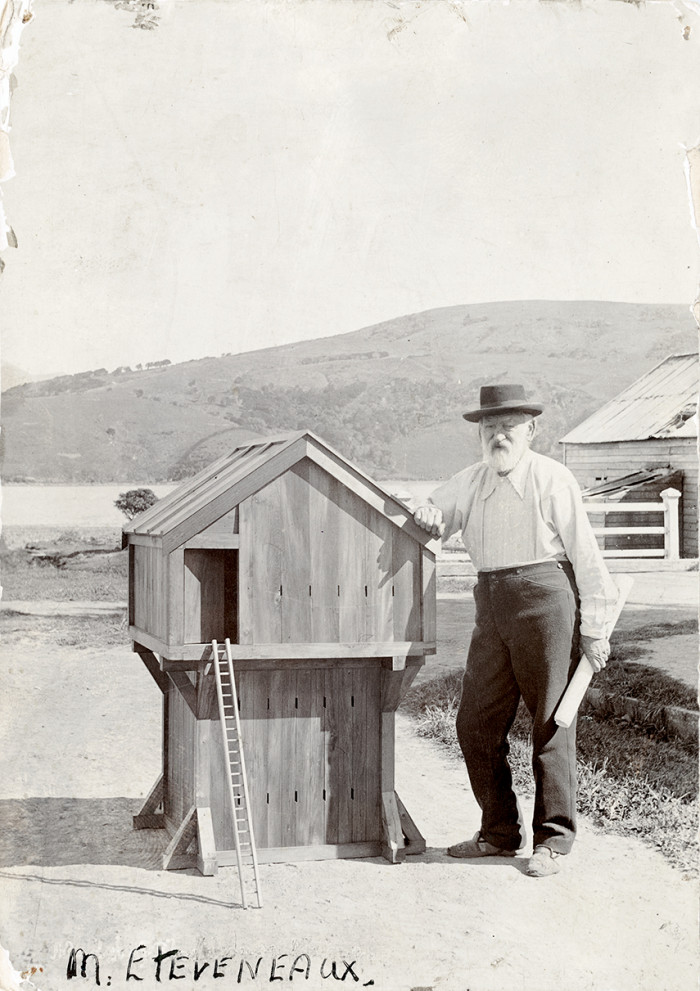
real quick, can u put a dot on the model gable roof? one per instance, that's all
(216, 490)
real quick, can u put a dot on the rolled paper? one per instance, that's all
(581, 678)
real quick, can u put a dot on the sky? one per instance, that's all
(250, 174)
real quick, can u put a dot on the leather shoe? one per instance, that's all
(543, 862)
(478, 847)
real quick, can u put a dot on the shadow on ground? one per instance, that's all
(54, 832)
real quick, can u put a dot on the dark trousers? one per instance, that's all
(525, 643)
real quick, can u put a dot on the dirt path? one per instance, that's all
(74, 873)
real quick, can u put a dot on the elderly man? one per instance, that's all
(542, 597)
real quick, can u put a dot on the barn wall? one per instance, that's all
(147, 595)
(318, 564)
(589, 462)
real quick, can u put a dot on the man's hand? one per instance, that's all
(430, 518)
(597, 651)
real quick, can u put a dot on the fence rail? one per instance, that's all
(668, 505)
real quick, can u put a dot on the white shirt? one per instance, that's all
(533, 514)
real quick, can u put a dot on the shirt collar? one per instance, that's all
(517, 477)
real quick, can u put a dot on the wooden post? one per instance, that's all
(176, 857)
(671, 536)
(393, 845)
(398, 827)
(148, 817)
(206, 844)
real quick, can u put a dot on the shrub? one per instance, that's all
(135, 501)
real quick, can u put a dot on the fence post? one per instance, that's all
(671, 536)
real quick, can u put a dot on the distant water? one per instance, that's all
(93, 505)
(67, 505)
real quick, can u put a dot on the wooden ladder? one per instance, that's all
(246, 855)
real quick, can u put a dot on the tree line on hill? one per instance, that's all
(363, 421)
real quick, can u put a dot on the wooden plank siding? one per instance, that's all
(312, 746)
(319, 565)
(378, 578)
(175, 593)
(428, 596)
(365, 782)
(260, 565)
(219, 799)
(338, 690)
(589, 462)
(406, 587)
(309, 750)
(147, 598)
(324, 517)
(352, 517)
(296, 571)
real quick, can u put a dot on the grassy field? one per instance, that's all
(89, 576)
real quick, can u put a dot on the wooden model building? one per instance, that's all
(325, 588)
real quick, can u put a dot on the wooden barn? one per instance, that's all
(649, 429)
(325, 589)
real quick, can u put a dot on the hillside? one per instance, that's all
(388, 396)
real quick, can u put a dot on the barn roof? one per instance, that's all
(202, 499)
(662, 403)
